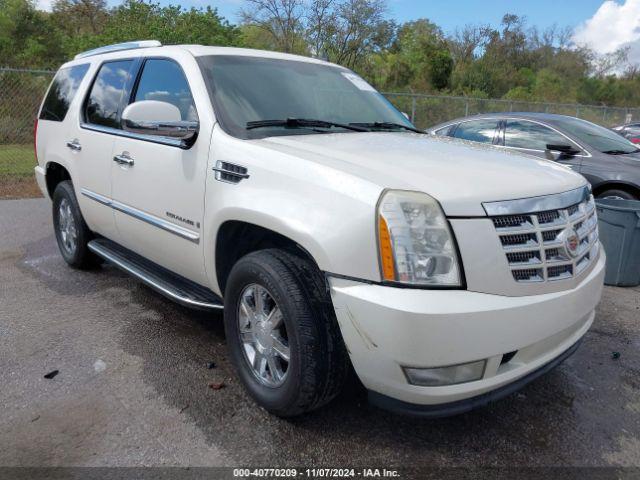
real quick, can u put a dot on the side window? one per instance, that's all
(444, 131)
(106, 94)
(477, 130)
(523, 134)
(63, 89)
(163, 80)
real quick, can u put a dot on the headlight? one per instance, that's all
(415, 243)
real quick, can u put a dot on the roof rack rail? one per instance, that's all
(116, 47)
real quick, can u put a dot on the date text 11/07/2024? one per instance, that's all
(316, 473)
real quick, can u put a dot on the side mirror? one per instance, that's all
(151, 117)
(406, 115)
(563, 149)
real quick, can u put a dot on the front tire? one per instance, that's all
(282, 333)
(72, 233)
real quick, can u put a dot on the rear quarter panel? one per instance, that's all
(51, 136)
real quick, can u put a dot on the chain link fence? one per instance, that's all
(428, 110)
(21, 92)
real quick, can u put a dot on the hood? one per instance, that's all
(459, 174)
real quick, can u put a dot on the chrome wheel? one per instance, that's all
(613, 197)
(263, 335)
(67, 227)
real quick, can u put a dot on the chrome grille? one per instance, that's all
(536, 244)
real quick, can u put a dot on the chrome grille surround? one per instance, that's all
(539, 244)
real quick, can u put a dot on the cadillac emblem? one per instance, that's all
(570, 241)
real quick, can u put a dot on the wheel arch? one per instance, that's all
(616, 185)
(54, 174)
(236, 238)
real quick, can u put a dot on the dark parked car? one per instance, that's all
(610, 162)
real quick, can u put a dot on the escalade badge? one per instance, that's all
(570, 241)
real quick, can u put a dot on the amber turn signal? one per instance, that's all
(386, 251)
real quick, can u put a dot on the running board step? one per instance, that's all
(173, 286)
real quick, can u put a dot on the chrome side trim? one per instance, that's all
(171, 142)
(145, 217)
(96, 196)
(139, 274)
(156, 222)
(537, 204)
(117, 47)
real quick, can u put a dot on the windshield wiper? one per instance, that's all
(302, 123)
(387, 126)
(620, 152)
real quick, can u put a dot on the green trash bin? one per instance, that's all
(619, 225)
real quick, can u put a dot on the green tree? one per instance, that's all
(171, 24)
(417, 59)
(281, 19)
(78, 17)
(27, 37)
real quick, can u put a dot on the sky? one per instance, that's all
(602, 25)
(453, 13)
(614, 25)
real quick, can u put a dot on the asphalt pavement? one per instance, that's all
(132, 387)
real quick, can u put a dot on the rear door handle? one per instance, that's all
(123, 159)
(74, 145)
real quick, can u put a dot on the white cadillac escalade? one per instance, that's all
(335, 235)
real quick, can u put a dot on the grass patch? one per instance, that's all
(17, 179)
(18, 187)
(17, 160)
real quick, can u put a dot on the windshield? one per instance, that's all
(250, 89)
(600, 138)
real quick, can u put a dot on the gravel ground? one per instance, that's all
(132, 387)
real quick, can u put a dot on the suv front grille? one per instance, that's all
(540, 246)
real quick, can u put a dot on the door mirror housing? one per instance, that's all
(162, 119)
(563, 149)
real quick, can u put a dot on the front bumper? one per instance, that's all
(387, 328)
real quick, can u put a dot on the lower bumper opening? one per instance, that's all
(462, 406)
(506, 358)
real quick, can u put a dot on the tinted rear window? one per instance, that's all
(477, 130)
(63, 89)
(106, 93)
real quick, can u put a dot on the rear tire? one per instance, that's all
(72, 233)
(317, 362)
(617, 194)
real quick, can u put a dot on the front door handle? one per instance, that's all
(123, 159)
(74, 145)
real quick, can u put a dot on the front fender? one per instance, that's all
(328, 213)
